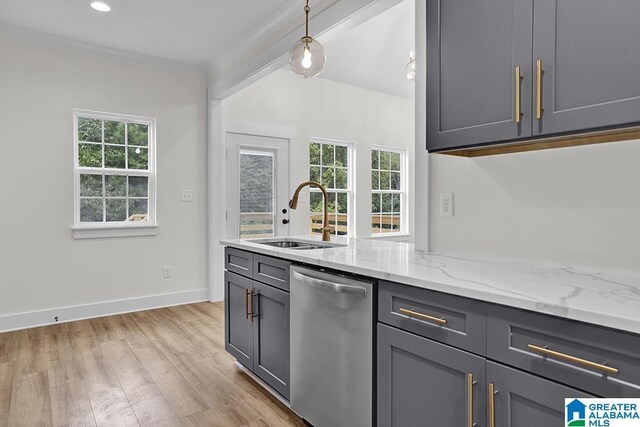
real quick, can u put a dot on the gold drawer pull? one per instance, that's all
(440, 321)
(573, 359)
(246, 304)
(539, 73)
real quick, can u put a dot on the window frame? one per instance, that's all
(351, 177)
(117, 228)
(403, 192)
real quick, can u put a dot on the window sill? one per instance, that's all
(383, 235)
(106, 231)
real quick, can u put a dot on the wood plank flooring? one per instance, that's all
(164, 367)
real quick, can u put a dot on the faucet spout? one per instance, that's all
(293, 204)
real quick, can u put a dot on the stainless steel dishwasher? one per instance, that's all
(331, 348)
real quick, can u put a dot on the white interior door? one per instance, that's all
(257, 189)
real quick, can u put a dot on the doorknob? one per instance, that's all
(285, 221)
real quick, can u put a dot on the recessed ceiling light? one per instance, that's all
(100, 6)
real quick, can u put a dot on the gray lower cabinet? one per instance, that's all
(590, 54)
(524, 400)
(257, 329)
(473, 49)
(271, 337)
(425, 383)
(238, 325)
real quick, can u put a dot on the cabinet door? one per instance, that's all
(238, 326)
(590, 56)
(524, 400)
(473, 48)
(425, 383)
(271, 337)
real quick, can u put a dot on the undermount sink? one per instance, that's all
(296, 244)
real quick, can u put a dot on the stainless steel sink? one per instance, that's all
(296, 244)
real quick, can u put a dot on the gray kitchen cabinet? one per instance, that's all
(257, 316)
(524, 400)
(271, 337)
(238, 325)
(473, 49)
(425, 383)
(590, 57)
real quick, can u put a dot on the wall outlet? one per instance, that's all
(186, 195)
(166, 272)
(446, 204)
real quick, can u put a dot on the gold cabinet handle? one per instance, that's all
(251, 304)
(469, 400)
(518, 97)
(539, 72)
(574, 359)
(246, 304)
(492, 405)
(439, 320)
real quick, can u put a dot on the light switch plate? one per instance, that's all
(186, 195)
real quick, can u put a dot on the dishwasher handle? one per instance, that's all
(330, 286)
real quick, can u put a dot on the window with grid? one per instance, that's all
(388, 198)
(114, 170)
(330, 165)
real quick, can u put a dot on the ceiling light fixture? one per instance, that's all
(100, 6)
(306, 57)
(411, 66)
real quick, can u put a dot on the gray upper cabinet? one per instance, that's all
(473, 49)
(523, 400)
(590, 57)
(425, 383)
(271, 337)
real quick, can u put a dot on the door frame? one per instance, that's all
(230, 181)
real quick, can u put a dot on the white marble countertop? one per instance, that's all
(603, 298)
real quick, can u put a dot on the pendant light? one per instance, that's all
(306, 57)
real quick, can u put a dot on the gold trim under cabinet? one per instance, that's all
(599, 137)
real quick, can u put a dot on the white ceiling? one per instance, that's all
(192, 32)
(374, 54)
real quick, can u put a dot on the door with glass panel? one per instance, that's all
(257, 190)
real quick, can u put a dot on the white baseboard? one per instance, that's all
(12, 322)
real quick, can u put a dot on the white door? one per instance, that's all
(257, 190)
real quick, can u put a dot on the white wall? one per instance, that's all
(579, 205)
(41, 265)
(319, 108)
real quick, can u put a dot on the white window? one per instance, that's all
(389, 191)
(114, 174)
(330, 163)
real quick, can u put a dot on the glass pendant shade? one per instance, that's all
(307, 57)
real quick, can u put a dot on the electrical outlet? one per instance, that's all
(446, 204)
(166, 272)
(186, 196)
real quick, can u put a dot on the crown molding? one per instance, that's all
(42, 39)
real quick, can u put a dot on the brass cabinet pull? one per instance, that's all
(437, 320)
(573, 359)
(246, 304)
(518, 97)
(539, 72)
(251, 304)
(469, 400)
(492, 405)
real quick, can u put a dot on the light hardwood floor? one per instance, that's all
(164, 367)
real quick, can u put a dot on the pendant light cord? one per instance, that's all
(306, 11)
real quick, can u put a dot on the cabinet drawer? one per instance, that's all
(578, 354)
(237, 261)
(456, 321)
(272, 271)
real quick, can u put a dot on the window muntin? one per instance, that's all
(330, 164)
(388, 198)
(114, 170)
